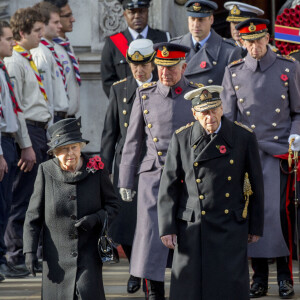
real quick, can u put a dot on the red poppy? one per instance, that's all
(101, 165)
(178, 90)
(97, 158)
(284, 77)
(94, 164)
(203, 65)
(89, 165)
(96, 167)
(222, 149)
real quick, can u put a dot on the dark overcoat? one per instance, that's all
(114, 66)
(70, 257)
(296, 55)
(208, 64)
(201, 201)
(113, 138)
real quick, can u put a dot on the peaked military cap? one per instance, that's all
(253, 28)
(200, 8)
(65, 132)
(131, 4)
(239, 11)
(169, 54)
(205, 98)
(58, 3)
(140, 51)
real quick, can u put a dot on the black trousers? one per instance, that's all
(22, 191)
(155, 290)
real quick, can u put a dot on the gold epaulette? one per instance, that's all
(244, 126)
(198, 85)
(148, 84)
(184, 127)
(236, 62)
(294, 51)
(286, 57)
(122, 80)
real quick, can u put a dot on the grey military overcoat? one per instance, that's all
(70, 257)
(157, 112)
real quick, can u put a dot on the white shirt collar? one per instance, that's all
(135, 34)
(203, 41)
(139, 83)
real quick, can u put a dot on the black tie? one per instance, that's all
(139, 37)
(197, 47)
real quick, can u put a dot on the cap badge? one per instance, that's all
(165, 52)
(197, 7)
(205, 95)
(252, 27)
(235, 11)
(137, 56)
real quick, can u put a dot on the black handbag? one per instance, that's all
(107, 248)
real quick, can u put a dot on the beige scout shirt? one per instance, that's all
(72, 85)
(28, 95)
(51, 77)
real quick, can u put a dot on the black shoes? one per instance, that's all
(9, 271)
(133, 284)
(1, 277)
(286, 290)
(258, 290)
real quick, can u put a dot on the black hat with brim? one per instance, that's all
(253, 28)
(201, 8)
(132, 4)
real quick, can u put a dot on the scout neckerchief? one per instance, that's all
(28, 56)
(11, 91)
(66, 44)
(60, 66)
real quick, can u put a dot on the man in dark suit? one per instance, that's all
(114, 66)
(205, 211)
(210, 53)
(140, 57)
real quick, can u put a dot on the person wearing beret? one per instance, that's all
(239, 12)
(140, 55)
(210, 53)
(72, 197)
(210, 202)
(114, 66)
(262, 91)
(158, 110)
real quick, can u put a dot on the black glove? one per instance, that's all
(31, 262)
(87, 222)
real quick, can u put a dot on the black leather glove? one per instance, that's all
(31, 262)
(87, 222)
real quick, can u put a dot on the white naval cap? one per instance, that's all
(140, 51)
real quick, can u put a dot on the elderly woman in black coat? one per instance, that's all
(71, 199)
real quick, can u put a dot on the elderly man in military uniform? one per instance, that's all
(140, 55)
(210, 53)
(239, 12)
(114, 66)
(216, 161)
(158, 110)
(262, 91)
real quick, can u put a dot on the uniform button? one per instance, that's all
(241, 100)
(274, 124)
(125, 124)
(201, 197)
(124, 100)
(72, 197)
(248, 113)
(198, 180)
(146, 111)
(73, 217)
(226, 211)
(144, 97)
(276, 137)
(121, 61)
(195, 146)
(286, 83)
(149, 125)
(155, 140)
(196, 164)
(287, 70)
(210, 81)
(124, 112)
(231, 161)
(227, 195)
(74, 254)
(236, 87)
(214, 62)
(159, 153)
(233, 75)
(277, 110)
(191, 82)
(253, 126)
(203, 212)
(283, 97)
(229, 178)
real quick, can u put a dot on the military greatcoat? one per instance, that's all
(208, 64)
(114, 66)
(157, 112)
(114, 133)
(201, 200)
(70, 255)
(296, 54)
(265, 96)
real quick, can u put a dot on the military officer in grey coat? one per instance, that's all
(140, 55)
(295, 54)
(210, 53)
(158, 110)
(262, 91)
(205, 211)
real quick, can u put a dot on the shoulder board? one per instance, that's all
(184, 127)
(236, 62)
(286, 57)
(148, 84)
(230, 42)
(195, 84)
(274, 49)
(176, 38)
(295, 51)
(244, 126)
(122, 80)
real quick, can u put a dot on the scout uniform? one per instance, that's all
(207, 64)
(53, 78)
(114, 66)
(202, 200)
(157, 112)
(34, 119)
(264, 95)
